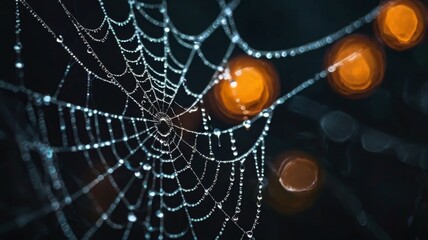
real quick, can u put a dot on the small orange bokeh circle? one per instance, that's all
(401, 24)
(245, 88)
(298, 174)
(356, 66)
(295, 183)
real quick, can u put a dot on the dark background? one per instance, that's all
(370, 191)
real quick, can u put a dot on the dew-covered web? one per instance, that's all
(142, 168)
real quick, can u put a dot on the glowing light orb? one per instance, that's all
(356, 66)
(401, 24)
(298, 174)
(245, 88)
(295, 184)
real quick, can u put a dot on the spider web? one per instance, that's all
(160, 176)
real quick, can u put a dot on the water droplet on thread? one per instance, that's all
(19, 65)
(132, 217)
(247, 124)
(59, 39)
(159, 214)
(17, 47)
(217, 133)
(147, 167)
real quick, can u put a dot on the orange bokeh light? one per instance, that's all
(356, 65)
(245, 88)
(401, 24)
(295, 184)
(298, 174)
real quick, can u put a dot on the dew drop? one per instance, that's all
(147, 167)
(266, 113)
(47, 98)
(242, 168)
(17, 47)
(132, 217)
(247, 124)
(59, 39)
(19, 65)
(237, 210)
(89, 50)
(250, 234)
(217, 132)
(159, 214)
(233, 84)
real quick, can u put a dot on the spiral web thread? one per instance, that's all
(166, 159)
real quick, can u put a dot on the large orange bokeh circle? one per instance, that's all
(401, 24)
(245, 88)
(356, 66)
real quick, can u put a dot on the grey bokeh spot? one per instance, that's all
(338, 126)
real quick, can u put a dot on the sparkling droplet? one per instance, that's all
(159, 214)
(266, 113)
(235, 38)
(247, 124)
(19, 65)
(219, 205)
(250, 234)
(132, 217)
(228, 11)
(237, 210)
(233, 84)
(89, 50)
(235, 218)
(242, 168)
(59, 39)
(147, 167)
(17, 47)
(217, 132)
(47, 98)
